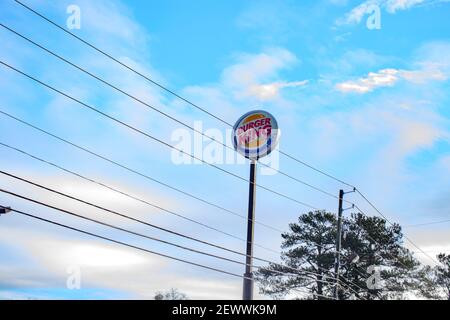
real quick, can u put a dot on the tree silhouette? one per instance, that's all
(368, 243)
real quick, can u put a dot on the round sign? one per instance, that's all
(255, 134)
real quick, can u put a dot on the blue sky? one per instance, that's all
(369, 106)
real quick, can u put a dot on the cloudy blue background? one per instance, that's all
(369, 106)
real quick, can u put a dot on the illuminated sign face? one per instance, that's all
(255, 134)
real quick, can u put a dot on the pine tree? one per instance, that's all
(368, 244)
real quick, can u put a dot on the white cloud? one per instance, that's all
(271, 90)
(389, 77)
(111, 23)
(396, 131)
(254, 77)
(395, 5)
(411, 136)
(382, 78)
(355, 15)
(253, 68)
(422, 76)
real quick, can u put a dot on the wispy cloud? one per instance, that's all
(272, 90)
(389, 77)
(395, 5)
(255, 76)
(382, 78)
(355, 15)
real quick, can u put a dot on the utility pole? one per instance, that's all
(247, 293)
(338, 245)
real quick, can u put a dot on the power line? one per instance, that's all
(382, 215)
(131, 196)
(189, 102)
(88, 179)
(432, 251)
(84, 149)
(126, 244)
(145, 223)
(116, 60)
(397, 259)
(145, 236)
(103, 52)
(174, 119)
(316, 169)
(65, 60)
(132, 219)
(123, 64)
(140, 234)
(116, 227)
(145, 202)
(425, 224)
(377, 242)
(140, 248)
(116, 212)
(153, 137)
(139, 100)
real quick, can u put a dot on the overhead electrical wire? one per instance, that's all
(88, 179)
(297, 272)
(134, 219)
(111, 161)
(156, 206)
(125, 244)
(385, 218)
(377, 242)
(190, 127)
(139, 100)
(116, 227)
(134, 171)
(185, 100)
(143, 249)
(128, 216)
(172, 92)
(426, 223)
(139, 131)
(28, 181)
(199, 108)
(433, 251)
(130, 196)
(138, 199)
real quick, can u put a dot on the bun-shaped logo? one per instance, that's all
(255, 134)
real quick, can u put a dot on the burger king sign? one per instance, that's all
(255, 134)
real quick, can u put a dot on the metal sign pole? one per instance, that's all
(255, 135)
(248, 280)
